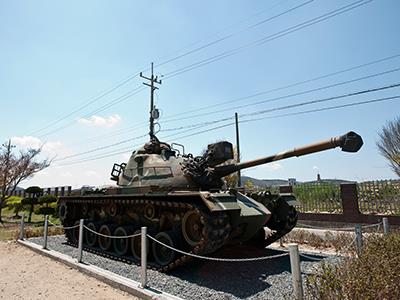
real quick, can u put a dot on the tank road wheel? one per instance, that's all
(112, 209)
(121, 245)
(149, 211)
(136, 245)
(67, 211)
(163, 255)
(84, 210)
(90, 237)
(192, 227)
(105, 242)
(63, 211)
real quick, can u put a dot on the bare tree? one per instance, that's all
(389, 144)
(14, 168)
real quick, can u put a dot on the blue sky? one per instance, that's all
(55, 56)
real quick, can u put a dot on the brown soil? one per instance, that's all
(27, 275)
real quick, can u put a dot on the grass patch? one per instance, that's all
(372, 275)
(9, 229)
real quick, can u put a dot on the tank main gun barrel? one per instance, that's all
(349, 142)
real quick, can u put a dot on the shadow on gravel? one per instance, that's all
(241, 279)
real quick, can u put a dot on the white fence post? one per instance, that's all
(143, 258)
(45, 231)
(385, 225)
(22, 227)
(359, 241)
(296, 271)
(80, 244)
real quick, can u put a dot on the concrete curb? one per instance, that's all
(127, 285)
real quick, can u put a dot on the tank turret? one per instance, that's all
(159, 166)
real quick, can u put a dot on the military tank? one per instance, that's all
(182, 201)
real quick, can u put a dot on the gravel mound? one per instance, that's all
(265, 279)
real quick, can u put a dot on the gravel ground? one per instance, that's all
(266, 279)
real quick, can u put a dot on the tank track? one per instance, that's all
(216, 228)
(215, 233)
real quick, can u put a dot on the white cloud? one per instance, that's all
(273, 166)
(49, 149)
(315, 168)
(97, 121)
(27, 142)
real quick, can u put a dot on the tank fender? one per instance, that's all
(220, 201)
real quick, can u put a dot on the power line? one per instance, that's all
(130, 77)
(204, 124)
(269, 38)
(193, 126)
(287, 96)
(253, 120)
(104, 107)
(95, 99)
(260, 41)
(168, 119)
(323, 109)
(120, 150)
(324, 99)
(289, 85)
(233, 34)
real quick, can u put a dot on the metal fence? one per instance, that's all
(379, 197)
(56, 191)
(319, 197)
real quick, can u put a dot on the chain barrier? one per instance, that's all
(339, 228)
(216, 258)
(112, 236)
(63, 227)
(310, 257)
(372, 225)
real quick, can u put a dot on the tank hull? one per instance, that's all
(195, 222)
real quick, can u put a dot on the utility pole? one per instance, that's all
(154, 114)
(239, 180)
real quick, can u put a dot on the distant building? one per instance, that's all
(318, 177)
(292, 181)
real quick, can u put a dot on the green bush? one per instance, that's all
(48, 205)
(14, 203)
(29, 201)
(372, 275)
(47, 199)
(43, 210)
(34, 190)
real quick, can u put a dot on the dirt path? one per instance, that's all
(27, 275)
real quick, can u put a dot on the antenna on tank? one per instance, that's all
(154, 113)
